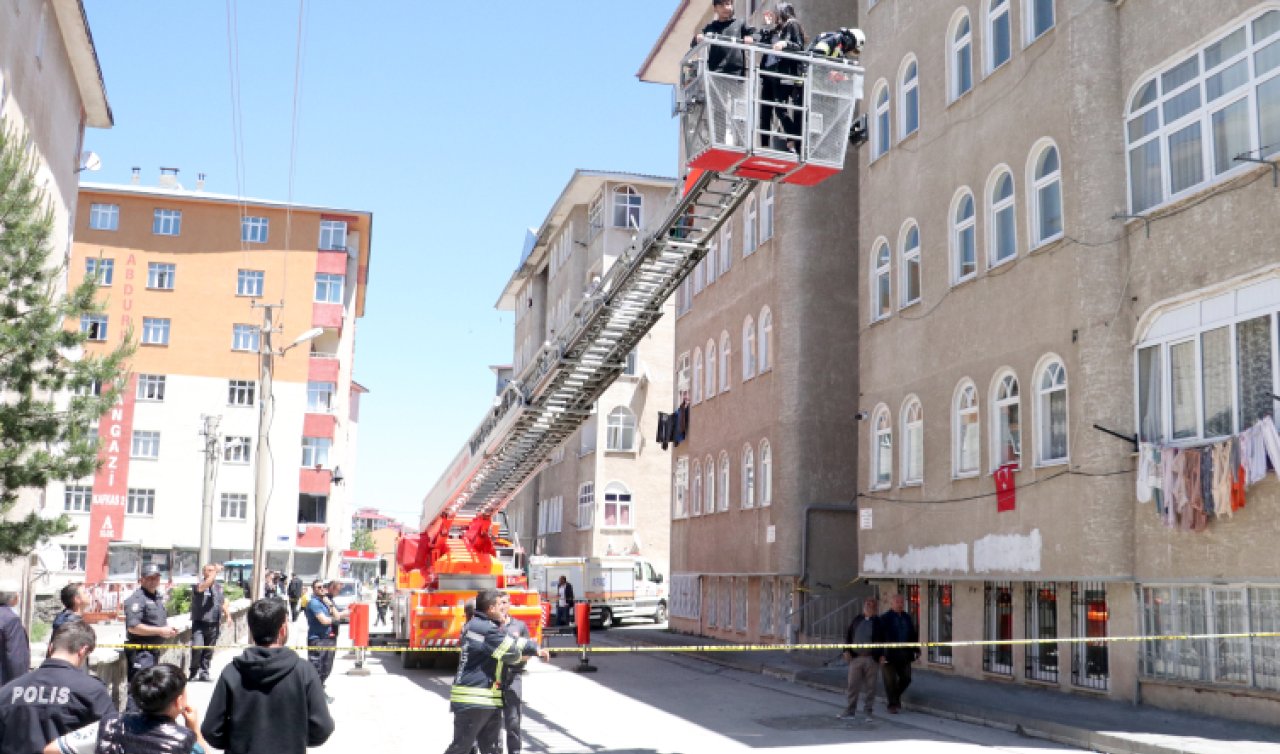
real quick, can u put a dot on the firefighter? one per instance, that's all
(834, 44)
(476, 696)
(512, 687)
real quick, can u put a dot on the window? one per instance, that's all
(145, 444)
(680, 483)
(160, 276)
(966, 427)
(617, 505)
(912, 442)
(155, 331)
(1187, 123)
(631, 366)
(882, 453)
(748, 348)
(997, 626)
(697, 375)
(964, 255)
(241, 392)
(695, 497)
(740, 606)
(236, 449)
(909, 95)
(92, 387)
(880, 284)
(726, 603)
(1038, 16)
(94, 326)
(1007, 420)
(312, 509)
(700, 271)
(766, 607)
(140, 503)
(909, 266)
(726, 359)
(586, 505)
(711, 601)
(1041, 619)
(333, 235)
(765, 480)
(75, 557)
(254, 229)
(765, 345)
(627, 204)
(726, 248)
(724, 481)
(880, 133)
(1046, 197)
(77, 498)
(245, 337)
(167, 222)
(748, 477)
(315, 451)
(234, 506)
(710, 374)
(1002, 238)
(709, 485)
(595, 217)
(1180, 610)
(150, 387)
(749, 220)
(766, 214)
(101, 270)
(249, 282)
(551, 516)
(1051, 414)
(621, 430)
(999, 34)
(320, 397)
(104, 216)
(940, 598)
(329, 288)
(961, 58)
(1089, 616)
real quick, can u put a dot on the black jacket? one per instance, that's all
(900, 628)
(792, 35)
(15, 649)
(721, 59)
(50, 701)
(207, 606)
(877, 636)
(267, 700)
(486, 648)
(152, 734)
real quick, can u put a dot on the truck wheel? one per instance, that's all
(660, 615)
(606, 618)
(410, 660)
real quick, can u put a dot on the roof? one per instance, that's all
(73, 24)
(207, 196)
(662, 64)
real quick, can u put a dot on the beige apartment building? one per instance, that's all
(763, 530)
(1067, 239)
(605, 490)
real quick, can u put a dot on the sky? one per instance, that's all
(456, 123)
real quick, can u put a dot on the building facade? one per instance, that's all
(605, 490)
(1067, 246)
(185, 273)
(763, 540)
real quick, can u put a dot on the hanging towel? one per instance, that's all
(1193, 505)
(1237, 477)
(1168, 483)
(1146, 472)
(1271, 440)
(1223, 475)
(1206, 480)
(1253, 452)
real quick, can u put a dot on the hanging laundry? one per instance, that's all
(1206, 480)
(1271, 440)
(1191, 517)
(1176, 499)
(1167, 483)
(664, 429)
(1237, 477)
(1146, 471)
(1223, 474)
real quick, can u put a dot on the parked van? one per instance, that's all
(616, 587)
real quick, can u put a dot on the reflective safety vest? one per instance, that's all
(485, 649)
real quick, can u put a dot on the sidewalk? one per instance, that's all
(1075, 720)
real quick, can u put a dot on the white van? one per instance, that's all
(616, 587)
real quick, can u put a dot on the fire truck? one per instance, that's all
(730, 144)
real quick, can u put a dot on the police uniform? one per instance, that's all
(142, 609)
(476, 696)
(52, 700)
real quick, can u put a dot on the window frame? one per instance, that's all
(159, 273)
(100, 210)
(101, 269)
(587, 505)
(621, 425)
(140, 502)
(749, 220)
(991, 17)
(245, 280)
(994, 207)
(239, 499)
(726, 248)
(908, 97)
(747, 497)
(766, 214)
(954, 47)
(155, 331)
(695, 489)
(77, 498)
(998, 404)
(912, 418)
(166, 222)
(764, 343)
(909, 257)
(697, 376)
(633, 203)
(317, 450)
(1036, 184)
(726, 362)
(1042, 412)
(881, 453)
(957, 229)
(330, 288)
(95, 327)
(764, 479)
(237, 450)
(881, 120)
(150, 388)
(958, 412)
(253, 227)
(709, 370)
(242, 393)
(336, 232)
(246, 338)
(724, 481)
(619, 490)
(144, 441)
(1029, 17)
(881, 280)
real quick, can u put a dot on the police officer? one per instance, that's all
(146, 622)
(56, 698)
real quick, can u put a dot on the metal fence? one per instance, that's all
(1042, 623)
(997, 626)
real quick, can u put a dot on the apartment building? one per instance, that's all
(185, 274)
(763, 526)
(605, 490)
(1067, 246)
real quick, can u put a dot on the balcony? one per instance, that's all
(314, 536)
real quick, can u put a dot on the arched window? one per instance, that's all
(1002, 237)
(726, 360)
(697, 376)
(961, 57)
(726, 248)
(880, 284)
(695, 497)
(621, 430)
(749, 226)
(617, 505)
(882, 448)
(1051, 413)
(627, 204)
(964, 255)
(880, 133)
(1006, 420)
(748, 476)
(909, 96)
(909, 265)
(709, 386)
(709, 493)
(1046, 196)
(766, 473)
(912, 442)
(724, 481)
(765, 361)
(712, 260)
(966, 426)
(766, 214)
(748, 348)
(999, 34)
(1037, 18)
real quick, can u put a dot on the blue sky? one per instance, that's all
(456, 129)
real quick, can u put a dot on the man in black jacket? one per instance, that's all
(207, 616)
(269, 698)
(864, 664)
(294, 593)
(511, 683)
(899, 627)
(721, 59)
(55, 698)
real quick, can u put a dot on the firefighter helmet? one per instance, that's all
(852, 40)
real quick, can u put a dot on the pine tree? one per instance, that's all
(51, 393)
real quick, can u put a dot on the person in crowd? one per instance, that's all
(268, 699)
(564, 602)
(724, 25)
(208, 613)
(383, 603)
(784, 34)
(864, 664)
(75, 599)
(322, 632)
(146, 621)
(15, 645)
(55, 698)
(161, 694)
(294, 592)
(898, 627)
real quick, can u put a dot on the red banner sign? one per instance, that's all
(1006, 488)
(111, 482)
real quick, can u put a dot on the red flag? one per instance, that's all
(1006, 488)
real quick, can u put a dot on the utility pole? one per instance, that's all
(262, 472)
(210, 476)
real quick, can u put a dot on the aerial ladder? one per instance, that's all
(466, 544)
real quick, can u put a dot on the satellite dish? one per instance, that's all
(90, 161)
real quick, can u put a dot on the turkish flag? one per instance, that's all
(1006, 488)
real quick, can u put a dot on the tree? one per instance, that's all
(362, 540)
(51, 393)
